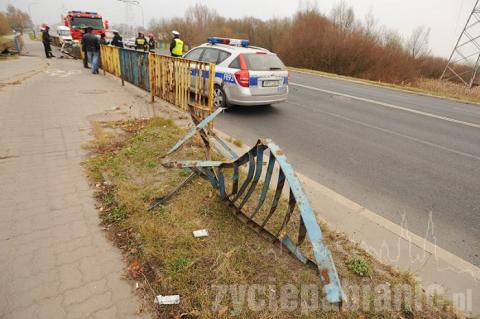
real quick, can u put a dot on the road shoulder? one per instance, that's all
(437, 270)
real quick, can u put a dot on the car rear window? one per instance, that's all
(263, 62)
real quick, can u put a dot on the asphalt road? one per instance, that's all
(412, 159)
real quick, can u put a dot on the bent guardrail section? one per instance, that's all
(248, 195)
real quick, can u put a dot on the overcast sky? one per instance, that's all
(445, 18)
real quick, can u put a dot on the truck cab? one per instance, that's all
(77, 21)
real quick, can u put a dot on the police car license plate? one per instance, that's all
(271, 83)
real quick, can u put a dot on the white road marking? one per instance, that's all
(420, 141)
(396, 107)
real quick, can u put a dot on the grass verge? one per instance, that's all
(233, 272)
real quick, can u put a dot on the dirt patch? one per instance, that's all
(108, 116)
(234, 272)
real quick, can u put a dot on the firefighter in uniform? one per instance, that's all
(46, 41)
(141, 42)
(176, 46)
(151, 43)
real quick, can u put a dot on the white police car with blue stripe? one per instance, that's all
(244, 75)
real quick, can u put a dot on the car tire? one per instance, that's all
(219, 97)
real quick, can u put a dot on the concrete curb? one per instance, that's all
(436, 269)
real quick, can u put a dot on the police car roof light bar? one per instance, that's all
(237, 42)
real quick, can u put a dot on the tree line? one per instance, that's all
(14, 19)
(337, 42)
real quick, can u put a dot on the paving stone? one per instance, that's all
(93, 304)
(24, 313)
(55, 261)
(51, 308)
(79, 295)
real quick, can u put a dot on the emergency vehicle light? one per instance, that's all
(216, 40)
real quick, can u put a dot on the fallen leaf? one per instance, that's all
(135, 269)
(195, 313)
(223, 311)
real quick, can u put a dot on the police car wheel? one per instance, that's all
(219, 97)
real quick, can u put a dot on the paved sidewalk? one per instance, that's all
(14, 69)
(55, 262)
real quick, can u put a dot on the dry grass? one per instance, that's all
(449, 89)
(6, 42)
(163, 255)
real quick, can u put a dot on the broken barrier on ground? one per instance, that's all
(246, 186)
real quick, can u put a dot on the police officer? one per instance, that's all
(103, 39)
(141, 42)
(151, 43)
(46, 42)
(117, 40)
(176, 46)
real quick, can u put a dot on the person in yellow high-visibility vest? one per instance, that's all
(176, 46)
(141, 42)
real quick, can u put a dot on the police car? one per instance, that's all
(244, 75)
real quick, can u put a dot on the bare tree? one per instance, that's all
(307, 6)
(343, 16)
(18, 19)
(4, 27)
(417, 43)
(370, 26)
(391, 38)
(200, 15)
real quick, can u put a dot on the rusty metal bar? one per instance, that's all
(196, 129)
(308, 226)
(162, 200)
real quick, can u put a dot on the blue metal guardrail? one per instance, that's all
(240, 191)
(134, 68)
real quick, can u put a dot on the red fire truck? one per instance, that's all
(77, 21)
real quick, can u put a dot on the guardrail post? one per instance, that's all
(120, 58)
(103, 58)
(211, 88)
(152, 73)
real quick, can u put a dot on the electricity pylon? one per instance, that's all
(465, 58)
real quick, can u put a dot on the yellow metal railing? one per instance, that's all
(110, 60)
(187, 84)
(184, 83)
